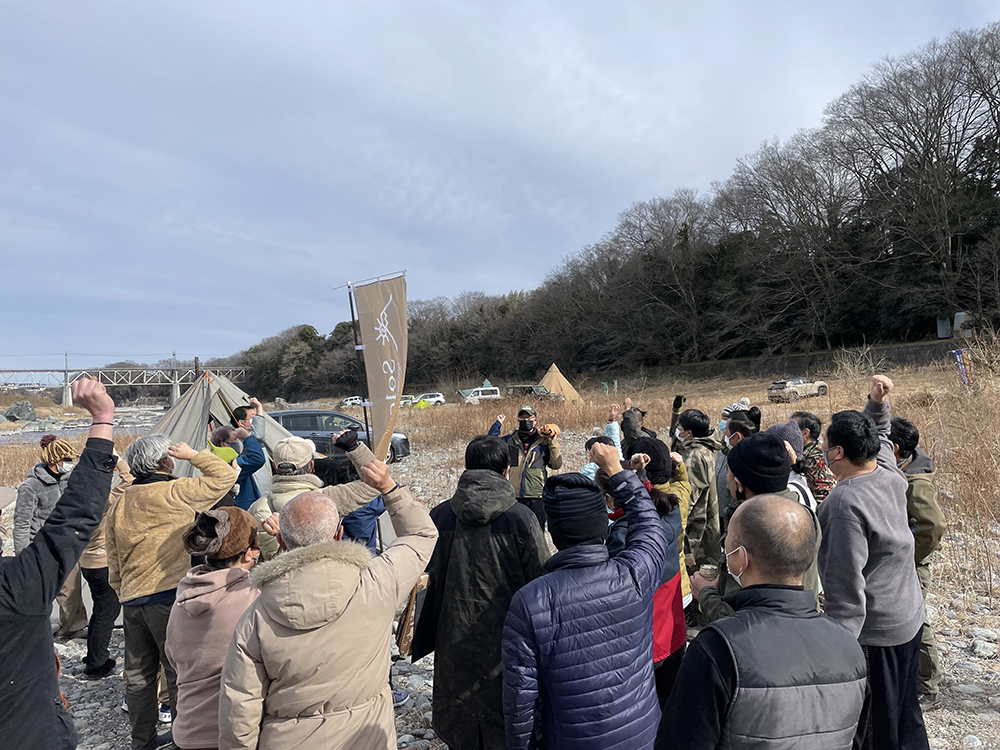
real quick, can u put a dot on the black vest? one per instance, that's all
(800, 675)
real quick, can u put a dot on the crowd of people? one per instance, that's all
(730, 586)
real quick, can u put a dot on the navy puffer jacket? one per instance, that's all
(577, 643)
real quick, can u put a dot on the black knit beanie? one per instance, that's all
(576, 510)
(761, 463)
(660, 468)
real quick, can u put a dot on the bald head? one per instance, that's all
(778, 535)
(309, 518)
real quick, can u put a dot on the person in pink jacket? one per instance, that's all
(211, 598)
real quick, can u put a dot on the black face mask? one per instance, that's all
(525, 426)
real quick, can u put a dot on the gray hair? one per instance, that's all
(145, 455)
(308, 518)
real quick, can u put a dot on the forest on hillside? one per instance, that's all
(866, 229)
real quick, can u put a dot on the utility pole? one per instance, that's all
(67, 394)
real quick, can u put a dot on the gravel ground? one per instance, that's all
(968, 633)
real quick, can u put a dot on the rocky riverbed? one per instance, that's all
(967, 627)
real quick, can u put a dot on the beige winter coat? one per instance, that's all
(309, 663)
(348, 497)
(95, 556)
(144, 526)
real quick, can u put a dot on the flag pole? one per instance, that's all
(361, 365)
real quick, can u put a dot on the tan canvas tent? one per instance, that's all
(556, 383)
(214, 397)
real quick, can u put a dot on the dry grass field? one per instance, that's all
(959, 428)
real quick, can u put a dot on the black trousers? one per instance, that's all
(145, 636)
(665, 673)
(892, 719)
(536, 507)
(102, 618)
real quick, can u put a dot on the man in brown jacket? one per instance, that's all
(309, 663)
(146, 561)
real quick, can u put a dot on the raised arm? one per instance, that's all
(253, 458)
(403, 561)
(646, 540)
(201, 493)
(878, 409)
(495, 428)
(29, 583)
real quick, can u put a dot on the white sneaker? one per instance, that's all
(165, 717)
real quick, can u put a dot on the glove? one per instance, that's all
(679, 402)
(549, 431)
(348, 441)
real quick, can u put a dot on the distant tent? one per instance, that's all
(214, 398)
(556, 383)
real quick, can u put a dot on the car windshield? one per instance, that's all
(338, 422)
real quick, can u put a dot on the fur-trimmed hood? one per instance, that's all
(311, 586)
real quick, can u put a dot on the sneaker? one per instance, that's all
(98, 673)
(399, 697)
(928, 701)
(124, 706)
(165, 717)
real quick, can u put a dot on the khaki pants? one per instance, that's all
(72, 612)
(929, 664)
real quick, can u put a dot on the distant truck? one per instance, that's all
(538, 392)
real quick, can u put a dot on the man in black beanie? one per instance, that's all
(758, 465)
(579, 639)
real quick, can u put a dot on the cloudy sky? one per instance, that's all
(195, 176)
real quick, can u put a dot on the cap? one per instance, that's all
(293, 453)
(527, 409)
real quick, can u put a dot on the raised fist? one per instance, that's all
(93, 396)
(881, 385)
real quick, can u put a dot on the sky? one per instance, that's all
(194, 177)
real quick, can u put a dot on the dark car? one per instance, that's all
(529, 390)
(320, 425)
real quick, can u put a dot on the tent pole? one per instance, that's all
(361, 364)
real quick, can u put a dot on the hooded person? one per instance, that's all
(928, 525)
(758, 465)
(308, 666)
(489, 546)
(666, 482)
(575, 676)
(210, 600)
(36, 497)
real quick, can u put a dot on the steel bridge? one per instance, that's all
(174, 377)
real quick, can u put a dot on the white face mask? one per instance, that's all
(728, 444)
(65, 467)
(677, 432)
(736, 575)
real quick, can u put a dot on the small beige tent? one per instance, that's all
(212, 399)
(556, 383)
